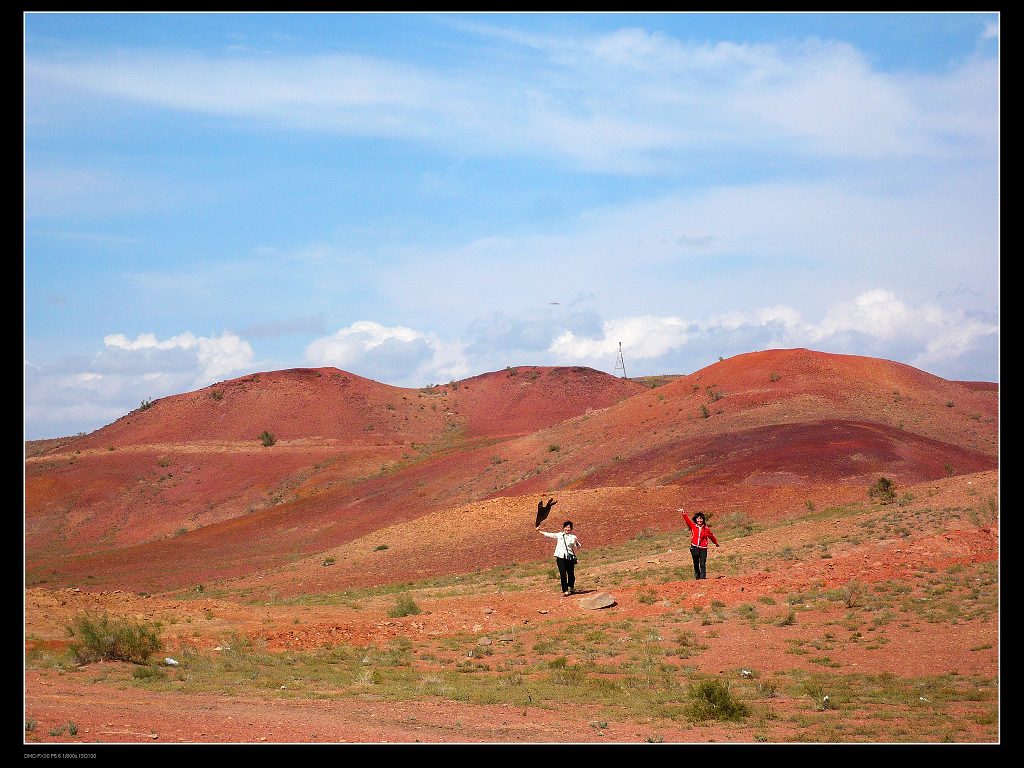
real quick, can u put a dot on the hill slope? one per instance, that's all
(763, 433)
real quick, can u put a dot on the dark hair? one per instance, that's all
(701, 516)
(567, 522)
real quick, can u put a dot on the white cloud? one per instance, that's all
(621, 102)
(84, 394)
(760, 243)
(215, 357)
(395, 355)
(646, 337)
(869, 324)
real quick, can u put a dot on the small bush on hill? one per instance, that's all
(712, 700)
(404, 606)
(120, 639)
(884, 491)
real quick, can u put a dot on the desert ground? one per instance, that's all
(373, 574)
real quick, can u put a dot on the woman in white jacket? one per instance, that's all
(565, 555)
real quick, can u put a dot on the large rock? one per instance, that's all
(600, 600)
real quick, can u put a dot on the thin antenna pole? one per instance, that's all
(621, 363)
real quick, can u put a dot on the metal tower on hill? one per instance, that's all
(620, 363)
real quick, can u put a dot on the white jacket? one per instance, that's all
(566, 542)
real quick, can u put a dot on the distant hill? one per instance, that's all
(184, 491)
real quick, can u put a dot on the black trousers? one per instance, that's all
(566, 572)
(700, 561)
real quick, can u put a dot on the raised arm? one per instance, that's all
(545, 533)
(689, 523)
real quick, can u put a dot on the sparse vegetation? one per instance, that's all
(102, 637)
(554, 447)
(853, 593)
(774, 376)
(704, 412)
(647, 597)
(267, 438)
(884, 491)
(641, 665)
(146, 404)
(712, 700)
(788, 620)
(148, 673)
(688, 645)
(217, 394)
(986, 514)
(404, 606)
(738, 522)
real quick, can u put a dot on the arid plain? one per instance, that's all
(369, 570)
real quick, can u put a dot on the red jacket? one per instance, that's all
(701, 533)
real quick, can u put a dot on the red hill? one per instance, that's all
(354, 455)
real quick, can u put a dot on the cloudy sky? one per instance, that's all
(421, 198)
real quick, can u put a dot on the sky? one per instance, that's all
(420, 198)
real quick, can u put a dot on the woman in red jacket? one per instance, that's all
(700, 533)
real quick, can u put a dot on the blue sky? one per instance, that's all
(420, 198)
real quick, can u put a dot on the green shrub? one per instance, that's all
(704, 412)
(712, 700)
(329, 561)
(146, 404)
(267, 439)
(217, 394)
(688, 644)
(884, 490)
(404, 606)
(986, 514)
(788, 620)
(101, 637)
(647, 597)
(554, 447)
(148, 673)
(853, 592)
(380, 547)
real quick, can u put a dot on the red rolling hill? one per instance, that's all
(183, 491)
